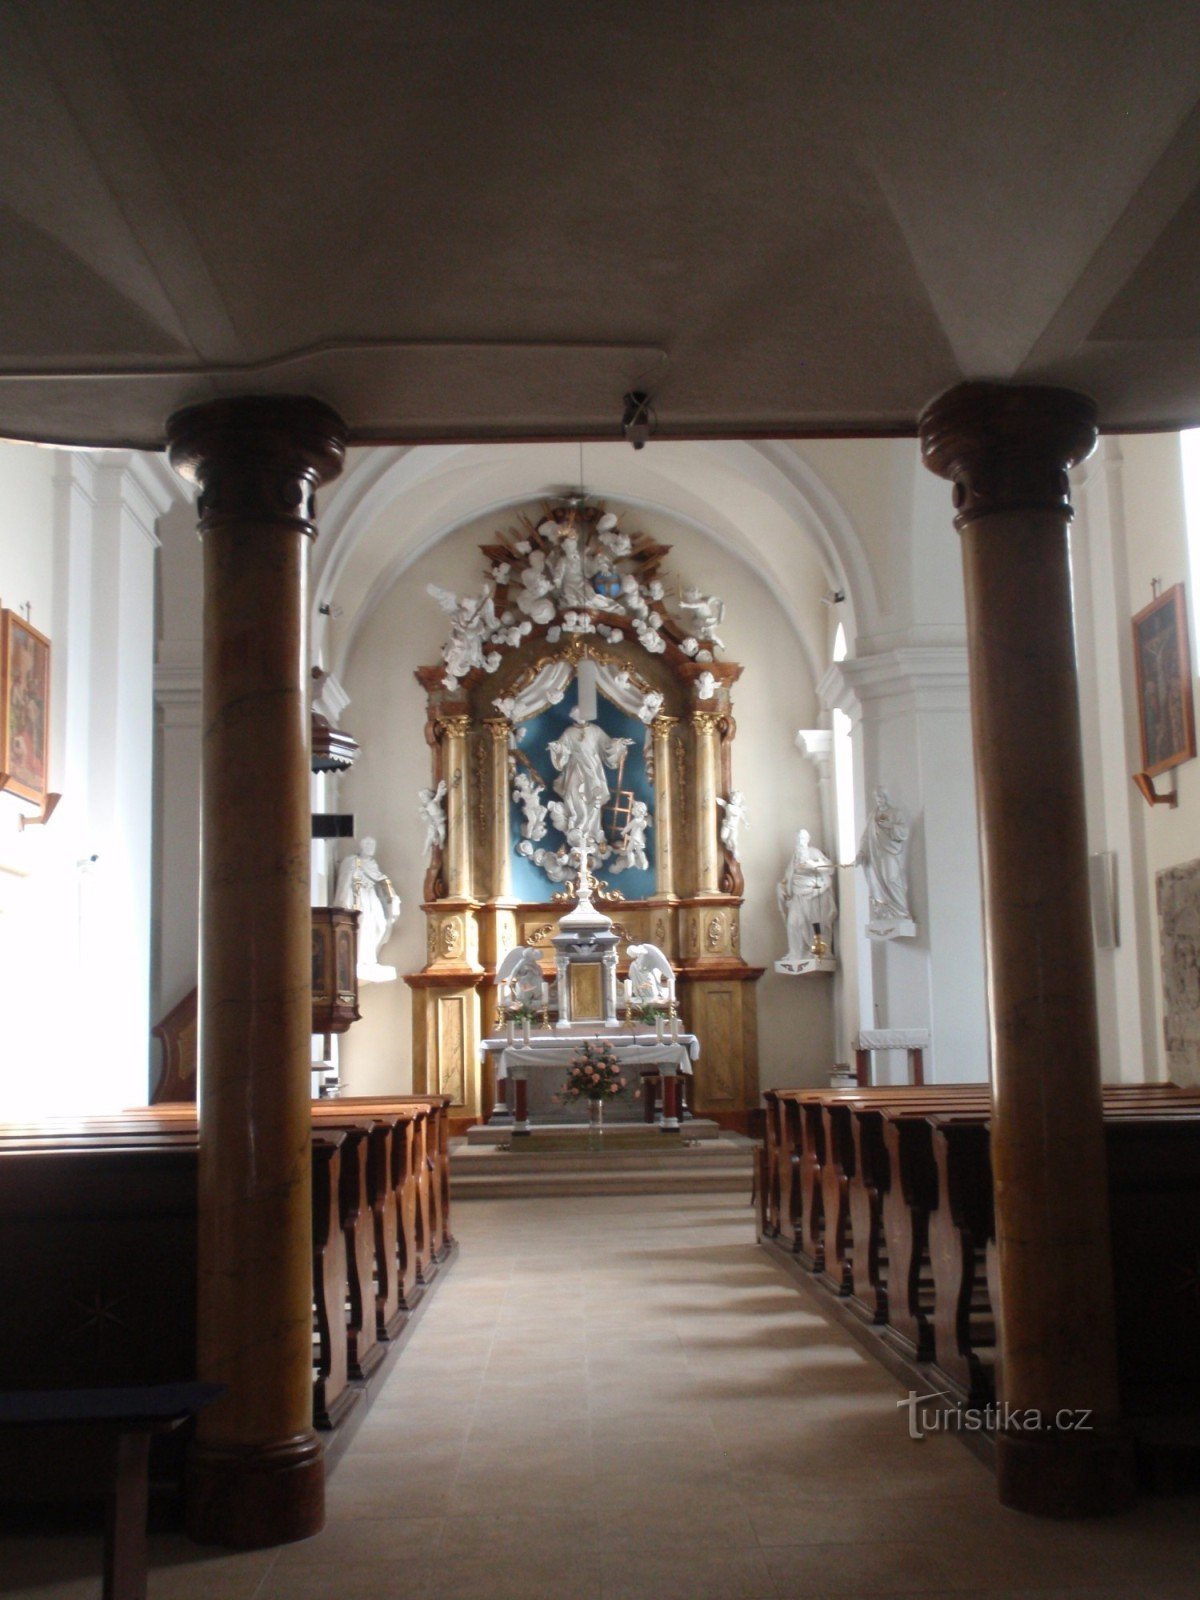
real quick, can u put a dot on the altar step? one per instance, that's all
(721, 1161)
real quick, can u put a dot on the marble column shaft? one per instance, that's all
(256, 1475)
(500, 865)
(458, 822)
(706, 728)
(1007, 451)
(664, 805)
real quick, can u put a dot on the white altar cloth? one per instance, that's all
(643, 1050)
(633, 1050)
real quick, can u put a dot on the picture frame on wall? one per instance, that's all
(1166, 706)
(24, 708)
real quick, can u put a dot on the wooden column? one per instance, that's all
(458, 824)
(256, 1475)
(1007, 451)
(499, 879)
(664, 806)
(706, 729)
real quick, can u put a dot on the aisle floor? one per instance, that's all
(622, 1398)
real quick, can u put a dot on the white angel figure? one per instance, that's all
(520, 981)
(651, 980)
(648, 634)
(557, 865)
(706, 686)
(527, 793)
(631, 596)
(707, 613)
(432, 811)
(633, 846)
(615, 540)
(472, 621)
(735, 817)
(533, 596)
(650, 706)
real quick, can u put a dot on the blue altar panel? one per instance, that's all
(529, 881)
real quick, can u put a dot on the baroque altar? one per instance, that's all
(581, 702)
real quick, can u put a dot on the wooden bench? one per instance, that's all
(893, 1212)
(91, 1440)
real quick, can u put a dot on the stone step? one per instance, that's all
(527, 1186)
(725, 1164)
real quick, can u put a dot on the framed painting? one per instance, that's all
(24, 708)
(1166, 709)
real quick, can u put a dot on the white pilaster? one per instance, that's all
(816, 745)
(910, 713)
(131, 492)
(1127, 976)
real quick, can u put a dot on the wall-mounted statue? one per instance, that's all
(705, 612)
(807, 906)
(363, 886)
(735, 817)
(472, 622)
(431, 808)
(883, 854)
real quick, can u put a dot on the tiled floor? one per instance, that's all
(623, 1399)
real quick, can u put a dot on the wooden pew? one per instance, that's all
(962, 1230)
(769, 1183)
(121, 1143)
(913, 1164)
(332, 1393)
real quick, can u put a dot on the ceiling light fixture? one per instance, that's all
(638, 421)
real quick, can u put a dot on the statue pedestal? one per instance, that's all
(801, 966)
(896, 928)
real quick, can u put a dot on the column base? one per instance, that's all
(1065, 1474)
(250, 1498)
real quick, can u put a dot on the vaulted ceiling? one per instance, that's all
(474, 221)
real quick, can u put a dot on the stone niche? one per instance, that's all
(575, 628)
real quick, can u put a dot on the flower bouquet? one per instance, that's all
(594, 1075)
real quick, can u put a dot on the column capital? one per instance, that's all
(661, 726)
(257, 458)
(1007, 447)
(498, 727)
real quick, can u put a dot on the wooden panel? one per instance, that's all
(719, 1067)
(451, 1045)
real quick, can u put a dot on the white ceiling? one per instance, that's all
(475, 221)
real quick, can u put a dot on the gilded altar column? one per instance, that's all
(499, 875)
(256, 1470)
(458, 818)
(664, 806)
(1007, 452)
(706, 732)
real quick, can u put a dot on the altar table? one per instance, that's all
(634, 1050)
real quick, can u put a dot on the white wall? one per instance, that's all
(1132, 530)
(774, 697)
(77, 540)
